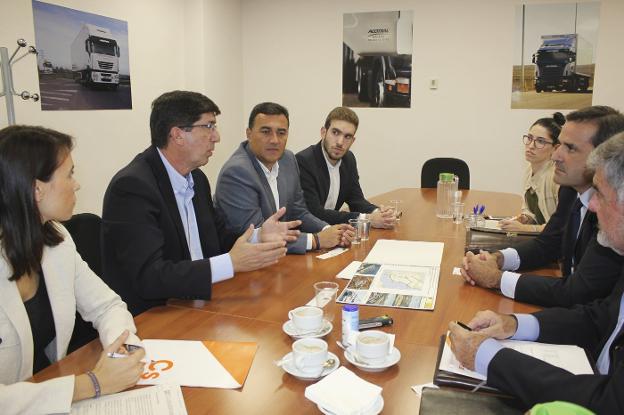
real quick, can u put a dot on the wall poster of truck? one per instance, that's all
(377, 59)
(82, 61)
(554, 55)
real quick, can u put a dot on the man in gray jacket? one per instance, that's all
(262, 176)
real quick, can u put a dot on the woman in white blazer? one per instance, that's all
(43, 281)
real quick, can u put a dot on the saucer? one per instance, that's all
(290, 329)
(290, 368)
(392, 359)
(374, 409)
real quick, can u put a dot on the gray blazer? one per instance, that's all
(71, 286)
(243, 195)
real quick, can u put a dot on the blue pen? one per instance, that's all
(481, 209)
(475, 209)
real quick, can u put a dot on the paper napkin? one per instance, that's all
(343, 393)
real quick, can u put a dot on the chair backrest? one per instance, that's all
(85, 229)
(433, 167)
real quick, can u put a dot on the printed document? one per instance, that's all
(567, 357)
(402, 274)
(155, 400)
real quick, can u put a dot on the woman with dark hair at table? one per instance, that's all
(540, 190)
(43, 281)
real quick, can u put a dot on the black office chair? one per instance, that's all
(432, 168)
(84, 229)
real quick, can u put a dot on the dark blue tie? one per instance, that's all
(575, 223)
(575, 219)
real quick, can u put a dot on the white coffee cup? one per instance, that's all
(309, 355)
(306, 318)
(372, 346)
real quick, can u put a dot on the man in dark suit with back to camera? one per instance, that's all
(329, 175)
(262, 175)
(161, 235)
(589, 270)
(597, 326)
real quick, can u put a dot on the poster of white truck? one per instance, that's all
(377, 59)
(84, 59)
(95, 57)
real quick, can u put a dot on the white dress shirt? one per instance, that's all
(334, 182)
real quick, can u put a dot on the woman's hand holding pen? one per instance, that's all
(116, 375)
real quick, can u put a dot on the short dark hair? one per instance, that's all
(553, 125)
(608, 120)
(267, 108)
(27, 154)
(176, 108)
(342, 114)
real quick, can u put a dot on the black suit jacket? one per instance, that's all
(146, 259)
(597, 268)
(588, 326)
(315, 184)
(552, 244)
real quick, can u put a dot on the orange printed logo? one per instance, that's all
(155, 367)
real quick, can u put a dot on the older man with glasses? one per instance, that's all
(589, 270)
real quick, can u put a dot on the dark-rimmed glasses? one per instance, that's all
(539, 142)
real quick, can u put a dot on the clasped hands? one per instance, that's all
(483, 269)
(384, 217)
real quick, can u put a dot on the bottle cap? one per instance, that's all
(446, 177)
(350, 307)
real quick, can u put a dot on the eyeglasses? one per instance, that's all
(539, 141)
(211, 126)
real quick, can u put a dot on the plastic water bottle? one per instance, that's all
(350, 321)
(447, 186)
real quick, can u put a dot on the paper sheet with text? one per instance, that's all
(571, 358)
(155, 400)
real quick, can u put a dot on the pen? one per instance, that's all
(464, 326)
(116, 355)
(481, 209)
(129, 347)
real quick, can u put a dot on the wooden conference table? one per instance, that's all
(254, 305)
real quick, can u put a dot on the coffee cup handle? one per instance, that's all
(290, 315)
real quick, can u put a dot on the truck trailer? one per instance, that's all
(95, 57)
(377, 57)
(558, 62)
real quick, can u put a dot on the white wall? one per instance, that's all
(242, 52)
(172, 46)
(292, 54)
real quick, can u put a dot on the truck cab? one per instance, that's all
(556, 64)
(95, 57)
